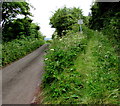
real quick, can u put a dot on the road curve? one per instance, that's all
(21, 78)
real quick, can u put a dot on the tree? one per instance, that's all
(20, 27)
(35, 31)
(64, 18)
(102, 13)
(14, 29)
(105, 17)
(11, 9)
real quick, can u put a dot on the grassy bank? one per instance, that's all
(18, 48)
(59, 60)
(81, 69)
(99, 70)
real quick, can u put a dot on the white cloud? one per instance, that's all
(44, 9)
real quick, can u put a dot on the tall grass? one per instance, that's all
(99, 70)
(81, 69)
(59, 60)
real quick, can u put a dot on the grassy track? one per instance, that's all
(99, 71)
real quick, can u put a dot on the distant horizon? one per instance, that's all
(47, 38)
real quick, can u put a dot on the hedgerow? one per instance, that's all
(18, 48)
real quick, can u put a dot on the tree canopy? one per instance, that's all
(64, 18)
(11, 9)
(106, 16)
(14, 27)
(103, 13)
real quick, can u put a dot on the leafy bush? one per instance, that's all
(18, 48)
(64, 18)
(105, 18)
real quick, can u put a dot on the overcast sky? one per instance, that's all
(45, 8)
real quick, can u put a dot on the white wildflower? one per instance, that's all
(46, 59)
(52, 49)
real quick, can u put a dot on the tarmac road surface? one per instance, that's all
(21, 78)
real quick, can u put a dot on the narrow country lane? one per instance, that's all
(21, 78)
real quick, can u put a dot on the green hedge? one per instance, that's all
(16, 49)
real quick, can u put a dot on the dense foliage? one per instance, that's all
(14, 27)
(18, 48)
(11, 9)
(81, 69)
(61, 56)
(64, 18)
(58, 61)
(105, 16)
(20, 36)
(19, 28)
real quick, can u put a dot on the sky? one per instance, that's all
(44, 9)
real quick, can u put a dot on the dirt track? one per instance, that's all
(21, 78)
